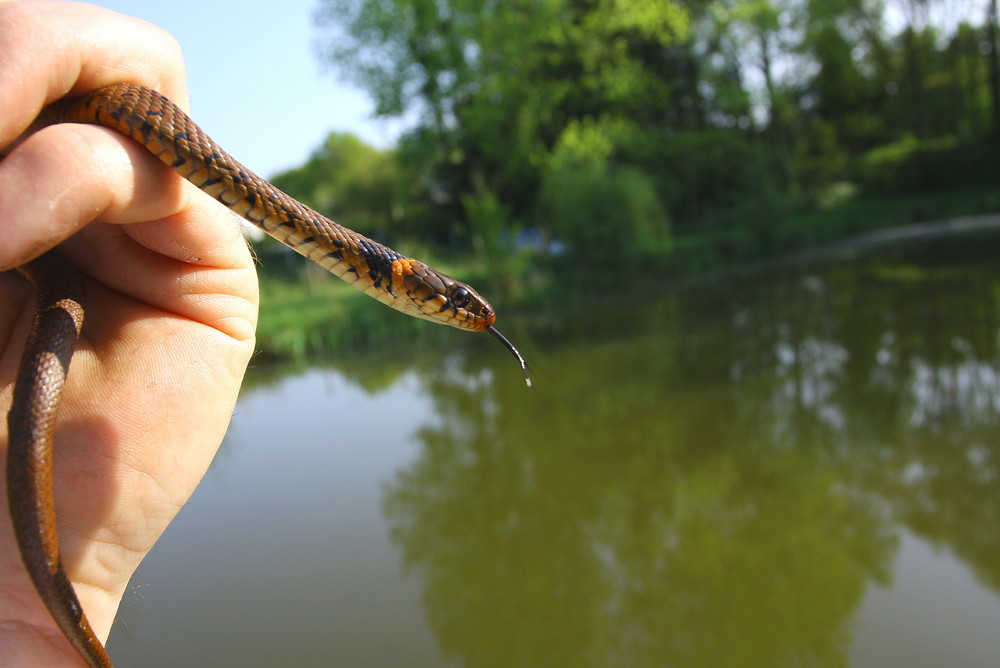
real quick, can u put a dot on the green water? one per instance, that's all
(792, 468)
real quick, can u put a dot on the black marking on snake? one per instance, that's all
(178, 162)
(116, 114)
(182, 136)
(252, 199)
(307, 240)
(154, 112)
(128, 93)
(244, 176)
(146, 130)
(379, 260)
(212, 156)
(211, 182)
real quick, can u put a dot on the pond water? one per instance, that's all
(799, 467)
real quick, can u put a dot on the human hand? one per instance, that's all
(171, 309)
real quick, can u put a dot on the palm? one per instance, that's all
(151, 388)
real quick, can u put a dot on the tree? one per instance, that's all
(494, 85)
(719, 116)
(346, 179)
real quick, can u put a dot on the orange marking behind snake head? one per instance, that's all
(431, 295)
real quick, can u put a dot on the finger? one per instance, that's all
(51, 49)
(65, 176)
(217, 288)
(160, 241)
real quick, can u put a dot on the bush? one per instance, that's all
(914, 166)
(605, 214)
(602, 212)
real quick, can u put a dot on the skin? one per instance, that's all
(171, 312)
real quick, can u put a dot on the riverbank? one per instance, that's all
(318, 316)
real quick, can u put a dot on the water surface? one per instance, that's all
(794, 468)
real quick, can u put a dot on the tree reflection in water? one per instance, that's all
(713, 477)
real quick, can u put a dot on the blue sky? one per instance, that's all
(273, 78)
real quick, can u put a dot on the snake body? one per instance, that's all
(168, 133)
(148, 117)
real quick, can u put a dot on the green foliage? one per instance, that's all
(348, 180)
(495, 84)
(911, 165)
(709, 173)
(604, 213)
(629, 129)
(490, 219)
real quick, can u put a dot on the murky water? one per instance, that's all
(798, 468)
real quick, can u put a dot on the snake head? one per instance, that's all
(426, 293)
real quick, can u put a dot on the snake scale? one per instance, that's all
(149, 118)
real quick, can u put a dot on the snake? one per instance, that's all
(166, 131)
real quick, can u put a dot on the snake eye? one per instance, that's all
(460, 297)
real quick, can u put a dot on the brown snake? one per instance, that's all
(166, 131)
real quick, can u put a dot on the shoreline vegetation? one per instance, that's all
(307, 314)
(558, 152)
